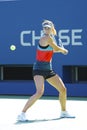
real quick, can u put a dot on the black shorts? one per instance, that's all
(45, 73)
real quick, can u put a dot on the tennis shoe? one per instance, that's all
(65, 114)
(22, 117)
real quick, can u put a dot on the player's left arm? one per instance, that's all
(55, 47)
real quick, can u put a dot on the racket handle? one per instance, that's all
(60, 43)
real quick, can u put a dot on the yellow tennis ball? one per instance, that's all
(12, 47)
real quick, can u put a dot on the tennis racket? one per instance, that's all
(60, 43)
(62, 46)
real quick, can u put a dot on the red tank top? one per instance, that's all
(44, 54)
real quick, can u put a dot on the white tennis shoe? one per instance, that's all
(22, 117)
(65, 114)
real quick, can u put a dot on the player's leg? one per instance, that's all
(39, 83)
(56, 82)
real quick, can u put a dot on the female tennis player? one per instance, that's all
(42, 70)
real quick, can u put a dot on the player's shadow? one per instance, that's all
(40, 120)
(37, 120)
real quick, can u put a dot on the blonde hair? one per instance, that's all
(52, 26)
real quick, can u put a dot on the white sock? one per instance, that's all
(63, 111)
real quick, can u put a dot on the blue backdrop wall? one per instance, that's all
(20, 24)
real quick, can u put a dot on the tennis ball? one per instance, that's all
(12, 47)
